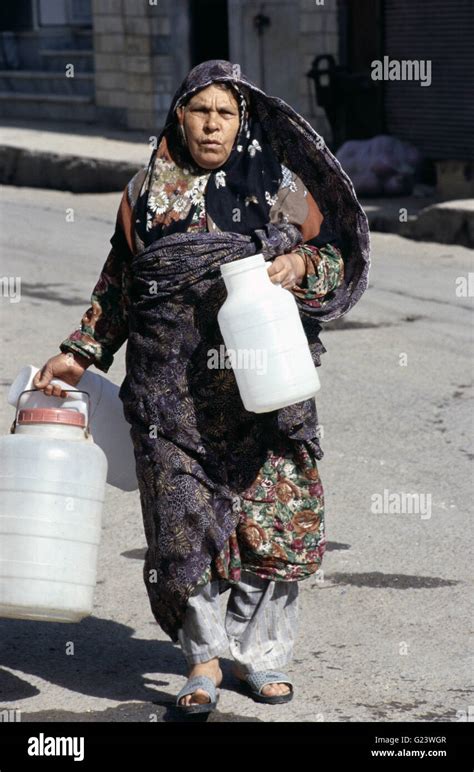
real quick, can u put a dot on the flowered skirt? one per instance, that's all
(281, 532)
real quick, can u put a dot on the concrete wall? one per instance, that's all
(318, 27)
(299, 30)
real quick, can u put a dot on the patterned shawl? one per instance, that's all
(237, 196)
(196, 446)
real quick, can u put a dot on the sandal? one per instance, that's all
(254, 683)
(199, 682)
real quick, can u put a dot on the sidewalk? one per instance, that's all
(84, 158)
(77, 157)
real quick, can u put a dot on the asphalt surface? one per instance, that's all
(384, 635)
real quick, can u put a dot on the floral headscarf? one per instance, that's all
(237, 195)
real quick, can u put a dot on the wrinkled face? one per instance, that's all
(211, 123)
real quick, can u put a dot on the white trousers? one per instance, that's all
(259, 627)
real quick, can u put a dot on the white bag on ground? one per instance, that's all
(381, 166)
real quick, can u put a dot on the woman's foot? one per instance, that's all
(212, 670)
(269, 690)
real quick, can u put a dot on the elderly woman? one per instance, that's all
(230, 499)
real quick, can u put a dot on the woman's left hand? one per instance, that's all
(287, 270)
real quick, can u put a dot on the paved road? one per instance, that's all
(385, 636)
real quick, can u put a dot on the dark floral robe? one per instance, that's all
(281, 535)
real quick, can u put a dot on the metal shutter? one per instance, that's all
(438, 119)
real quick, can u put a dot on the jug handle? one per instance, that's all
(86, 430)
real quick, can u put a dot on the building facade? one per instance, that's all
(129, 56)
(118, 62)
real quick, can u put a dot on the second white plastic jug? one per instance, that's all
(109, 428)
(52, 488)
(265, 339)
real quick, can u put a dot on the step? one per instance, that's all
(46, 82)
(66, 37)
(22, 48)
(56, 60)
(47, 107)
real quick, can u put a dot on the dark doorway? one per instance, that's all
(209, 30)
(361, 42)
(16, 16)
(364, 33)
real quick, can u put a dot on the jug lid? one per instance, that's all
(39, 415)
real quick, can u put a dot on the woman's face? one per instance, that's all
(211, 122)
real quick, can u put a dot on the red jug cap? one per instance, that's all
(51, 415)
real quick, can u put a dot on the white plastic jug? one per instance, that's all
(108, 426)
(265, 339)
(52, 487)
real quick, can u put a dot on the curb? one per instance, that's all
(449, 222)
(78, 174)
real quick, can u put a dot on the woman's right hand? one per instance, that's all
(66, 367)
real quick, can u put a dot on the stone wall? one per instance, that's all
(133, 61)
